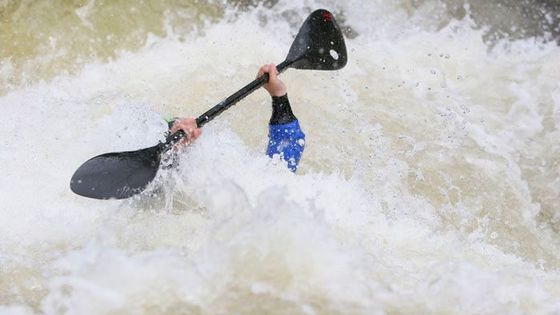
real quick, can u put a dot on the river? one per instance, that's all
(430, 183)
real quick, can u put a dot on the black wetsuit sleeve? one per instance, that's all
(281, 110)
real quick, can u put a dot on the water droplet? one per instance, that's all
(334, 54)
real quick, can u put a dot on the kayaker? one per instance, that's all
(285, 137)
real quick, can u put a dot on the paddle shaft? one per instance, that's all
(237, 96)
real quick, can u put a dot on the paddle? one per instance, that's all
(319, 45)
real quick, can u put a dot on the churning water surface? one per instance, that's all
(430, 182)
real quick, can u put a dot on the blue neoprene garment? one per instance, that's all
(285, 137)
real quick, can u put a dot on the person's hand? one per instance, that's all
(188, 125)
(275, 87)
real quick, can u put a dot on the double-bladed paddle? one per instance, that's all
(319, 45)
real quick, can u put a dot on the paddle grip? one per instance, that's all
(237, 96)
(172, 139)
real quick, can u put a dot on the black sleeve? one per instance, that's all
(281, 110)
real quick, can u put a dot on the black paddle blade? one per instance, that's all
(319, 45)
(116, 175)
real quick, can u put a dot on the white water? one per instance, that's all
(429, 184)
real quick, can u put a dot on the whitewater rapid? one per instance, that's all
(429, 185)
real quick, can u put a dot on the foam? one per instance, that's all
(428, 184)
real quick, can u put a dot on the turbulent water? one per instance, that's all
(430, 183)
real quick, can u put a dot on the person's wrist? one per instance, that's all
(278, 93)
(277, 90)
(279, 97)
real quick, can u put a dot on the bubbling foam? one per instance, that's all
(428, 185)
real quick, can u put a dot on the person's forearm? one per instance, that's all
(281, 110)
(286, 139)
